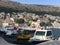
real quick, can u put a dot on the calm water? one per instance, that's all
(56, 32)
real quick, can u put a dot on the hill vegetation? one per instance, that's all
(11, 6)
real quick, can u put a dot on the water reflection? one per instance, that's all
(18, 42)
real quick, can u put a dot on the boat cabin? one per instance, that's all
(42, 35)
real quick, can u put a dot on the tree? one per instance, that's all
(43, 24)
(20, 21)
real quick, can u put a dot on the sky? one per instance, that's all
(42, 2)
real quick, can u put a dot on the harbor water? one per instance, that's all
(56, 32)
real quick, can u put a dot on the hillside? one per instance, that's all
(9, 6)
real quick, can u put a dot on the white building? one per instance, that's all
(56, 24)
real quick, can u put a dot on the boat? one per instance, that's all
(42, 35)
(25, 33)
(8, 30)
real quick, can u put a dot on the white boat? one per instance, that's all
(8, 30)
(42, 35)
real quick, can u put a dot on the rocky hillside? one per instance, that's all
(9, 6)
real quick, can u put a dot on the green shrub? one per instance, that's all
(19, 21)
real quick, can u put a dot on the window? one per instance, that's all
(49, 33)
(40, 33)
(29, 31)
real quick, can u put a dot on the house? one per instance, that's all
(56, 24)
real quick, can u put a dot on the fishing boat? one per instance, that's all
(42, 35)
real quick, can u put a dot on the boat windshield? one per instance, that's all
(40, 33)
(23, 31)
(29, 31)
(49, 33)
